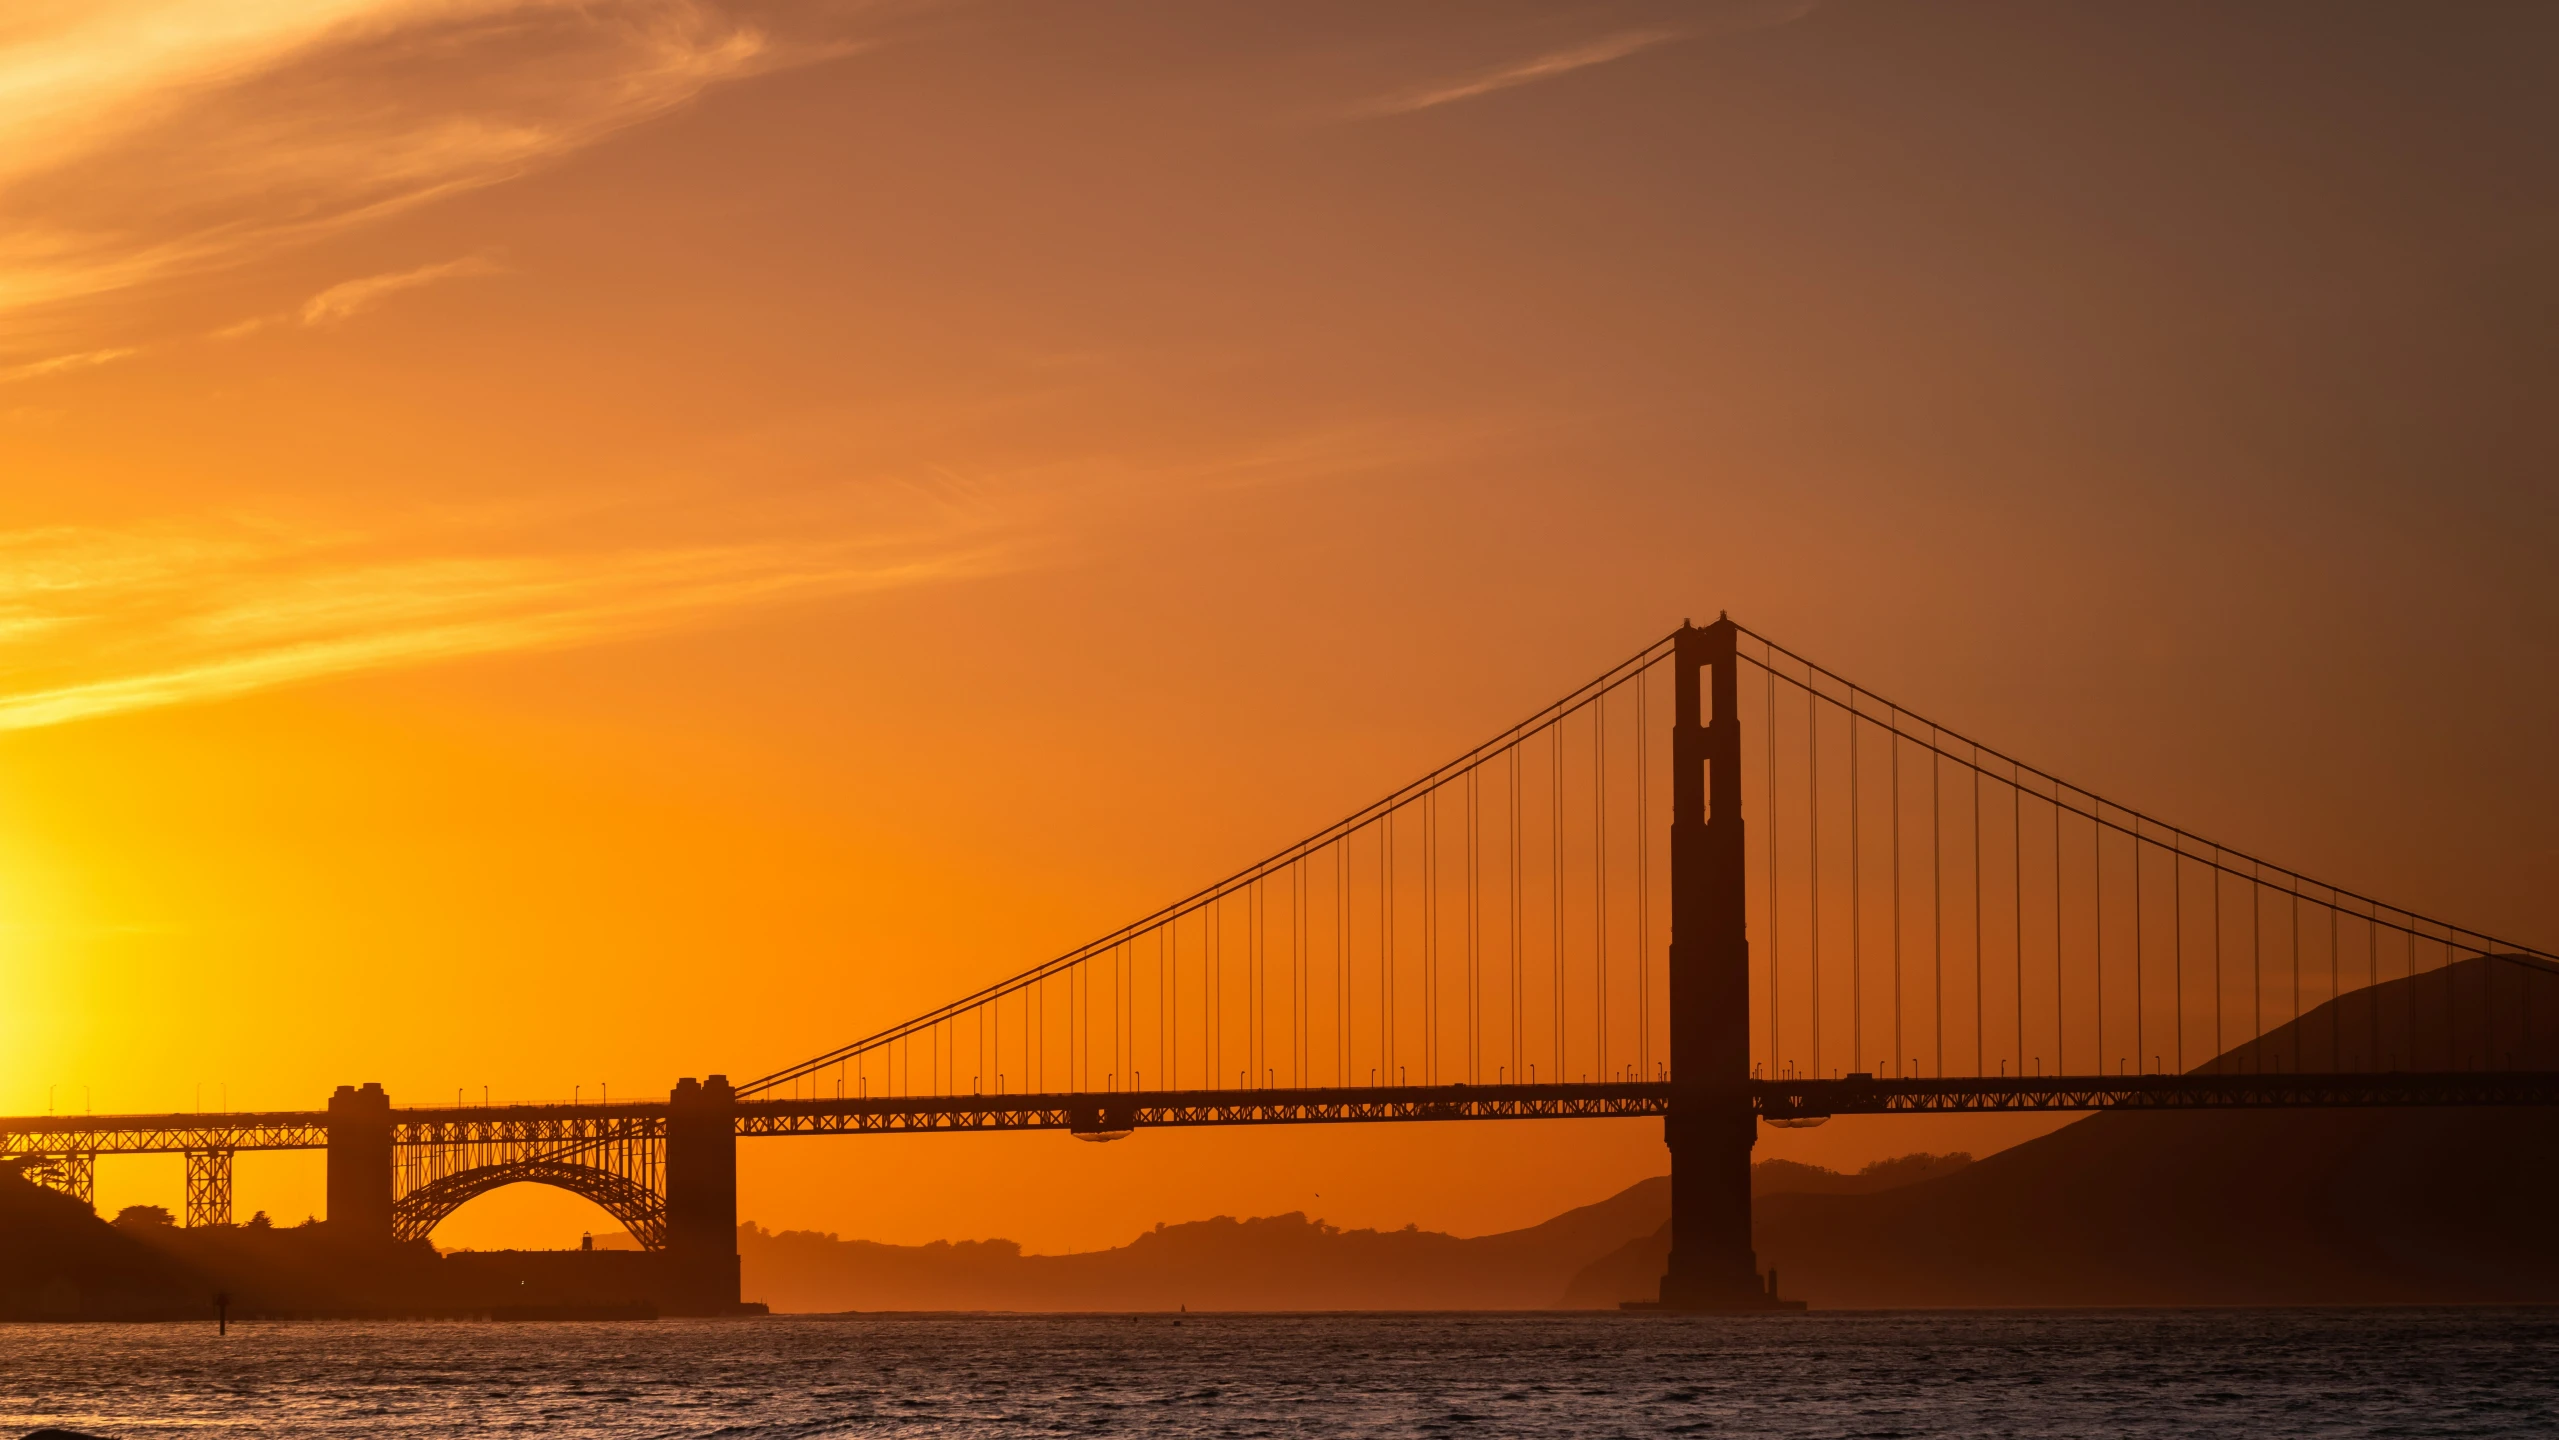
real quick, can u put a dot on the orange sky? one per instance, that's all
(548, 545)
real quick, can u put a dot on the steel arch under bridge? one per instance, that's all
(616, 1158)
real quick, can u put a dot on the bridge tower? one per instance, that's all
(701, 1196)
(1711, 1127)
(359, 1164)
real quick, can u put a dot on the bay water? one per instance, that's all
(2256, 1373)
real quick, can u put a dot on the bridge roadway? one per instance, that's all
(1113, 1114)
(667, 1170)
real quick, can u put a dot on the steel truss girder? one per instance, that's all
(208, 1188)
(528, 1124)
(1111, 1113)
(1813, 1099)
(627, 1139)
(162, 1134)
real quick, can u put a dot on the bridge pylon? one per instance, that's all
(1712, 1123)
(701, 1196)
(359, 1127)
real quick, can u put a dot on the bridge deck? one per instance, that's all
(1778, 1100)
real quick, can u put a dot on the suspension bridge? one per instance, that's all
(1571, 920)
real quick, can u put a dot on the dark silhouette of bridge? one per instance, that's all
(1914, 923)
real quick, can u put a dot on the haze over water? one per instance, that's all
(2266, 1373)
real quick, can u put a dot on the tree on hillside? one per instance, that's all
(132, 1215)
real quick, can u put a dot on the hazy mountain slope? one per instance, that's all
(2228, 1207)
(1284, 1262)
(1281, 1262)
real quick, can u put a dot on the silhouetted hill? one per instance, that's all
(2222, 1207)
(1789, 1177)
(58, 1261)
(303, 1270)
(1281, 1262)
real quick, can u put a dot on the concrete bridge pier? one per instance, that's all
(360, 1164)
(701, 1198)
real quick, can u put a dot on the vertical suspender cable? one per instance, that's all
(1297, 958)
(2372, 979)
(1555, 844)
(2295, 930)
(1776, 997)
(2177, 917)
(1342, 961)
(1257, 999)
(1643, 880)
(2218, 1049)
(1213, 972)
(2017, 895)
(1813, 849)
(2450, 995)
(2336, 993)
(1599, 882)
(1172, 1061)
(1474, 927)
(1430, 937)
(1979, 1023)
(1856, 906)
(1899, 1055)
(1386, 951)
(1518, 919)
(2451, 999)
(2410, 1005)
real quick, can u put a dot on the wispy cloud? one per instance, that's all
(1702, 20)
(141, 139)
(55, 365)
(352, 297)
(1543, 67)
(96, 623)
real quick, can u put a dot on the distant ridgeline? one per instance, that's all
(1281, 1262)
